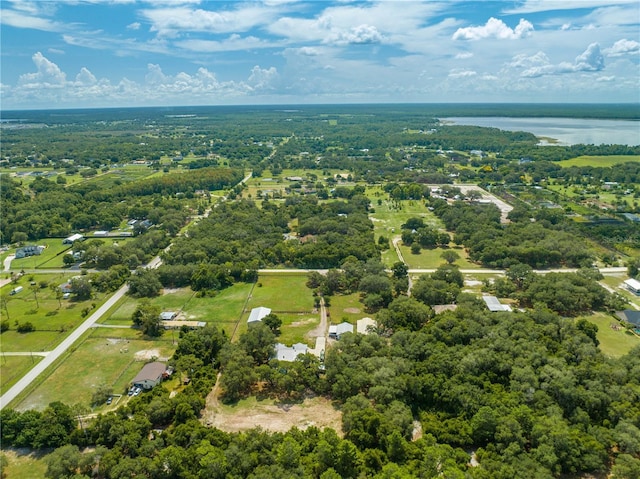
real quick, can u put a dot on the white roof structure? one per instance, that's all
(289, 354)
(168, 315)
(494, 304)
(364, 325)
(633, 285)
(73, 238)
(258, 313)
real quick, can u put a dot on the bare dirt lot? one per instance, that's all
(274, 417)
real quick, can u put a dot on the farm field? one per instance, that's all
(346, 307)
(105, 356)
(598, 161)
(12, 368)
(613, 342)
(52, 318)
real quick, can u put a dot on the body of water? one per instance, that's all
(567, 131)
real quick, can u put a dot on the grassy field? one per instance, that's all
(430, 258)
(346, 308)
(282, 293)
(106, 356)
(54, 249)
(617, 283)
(12, 368)
(295, 328)
(223, 310)
(53, 319)
(25, 464)
(599, 161)
(613, 342)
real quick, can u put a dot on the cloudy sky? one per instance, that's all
(96, 53)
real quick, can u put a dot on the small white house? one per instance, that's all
(494, 304)
(633, 285)
(150, 375)
(257, 314)
(289, 354)
(168, 315)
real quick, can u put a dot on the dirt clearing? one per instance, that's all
(270, 416)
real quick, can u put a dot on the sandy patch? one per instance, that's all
(472, 282)
(147, 354)
(303, 322)
(170, 290)
(274, 417)
(351, 310)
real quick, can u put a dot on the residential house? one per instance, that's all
(630, 316)
(494, 304)
(289, 354)
(73, 238)
(30, 250)
(337, 330)
(150, 375)
(633, 285)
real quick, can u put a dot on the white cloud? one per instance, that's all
(463, 55)
(85, 77)
(56, 51)
(262, 79)
(48, 75)
(494, 28)
(362, 34)
(534, 6)
(20, 20)
(462, 73)
(606, 78)
(623, 47)
(134, 26)
(233, 43)
(591, 60)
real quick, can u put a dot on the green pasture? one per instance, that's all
(54, 250)
(105, 356)
(295, 327)
(12, 368)
(224, 309)
(25, 464)
(346, 307)
(430, 258)
(613, 342)
(53, 319)
(599, 161)
(281, 293)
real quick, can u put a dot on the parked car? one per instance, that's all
(109, 399)
(137, 391)
(130, 392)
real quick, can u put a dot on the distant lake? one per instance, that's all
(568, 131)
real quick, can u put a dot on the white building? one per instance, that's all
(73, 238)
(257, 314)
(494, 304)
(337, 330)
(365, 325)
(289, 354)
(633, 285)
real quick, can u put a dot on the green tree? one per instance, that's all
(450, 256)
(64, 462)
(258, 342)
(273, 322)
(81, 288)
(101, 394)
(147, 317)
(144, 283)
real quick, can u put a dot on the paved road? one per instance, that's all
(17, 388)
(22, 353)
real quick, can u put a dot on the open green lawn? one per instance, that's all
(13, 368)
(105, 356)
(613, 342)
(347, 308)
(53, 249)
(296, 326)
(599, 161)
(25, 464)
(223, 310)
(430, 258)
(53, 319)
(282, 293)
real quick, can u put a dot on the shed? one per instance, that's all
(73, 238)
(180, 324)
(168, 315)
(365, 325)
(150, 375)
(339, 329)
(494, 304)
(257, 314)
(101, 233)
(633, 285)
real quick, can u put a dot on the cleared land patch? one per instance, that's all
(271, 416)
(615, 340)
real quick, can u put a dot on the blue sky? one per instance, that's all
(110, 53)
